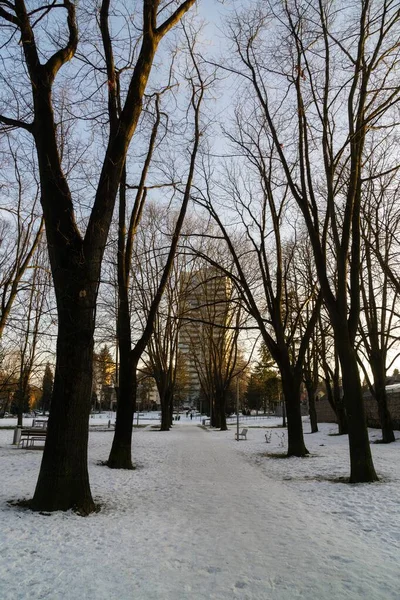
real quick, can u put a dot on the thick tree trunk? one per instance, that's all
(63, 480)
(340, 410)
(220, 404)
(312, 410)
(223, 425)
(313, 414)
(291, 392)
(336, 402)
(385, 418)
(76, 262)
(20, 409)
(215, 417)
(361, 464)
(166, 403)
(283, 414)
(121, 450)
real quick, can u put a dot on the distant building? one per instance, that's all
(205, 297)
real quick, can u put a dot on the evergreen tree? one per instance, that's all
(103, 376)
(264, 384)
(47, 387)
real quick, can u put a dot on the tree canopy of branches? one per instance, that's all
(263, 259)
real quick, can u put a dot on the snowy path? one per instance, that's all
(247, 537)
(196, 520)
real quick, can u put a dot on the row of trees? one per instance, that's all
(300, 216)
(321, 100)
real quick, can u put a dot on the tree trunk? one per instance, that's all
(340, 409)
(166, 402)
(20, 408)
(361, 465)
(312, 410)
(385, 417)
(378, 368)
(121, 450)
(283, 413)
(221, 402)
(313, 414)
(215, 417)
(336, 402)
(291, 392)
(63, 480)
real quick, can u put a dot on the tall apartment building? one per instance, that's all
(205, 297)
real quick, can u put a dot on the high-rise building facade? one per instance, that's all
(205, 297)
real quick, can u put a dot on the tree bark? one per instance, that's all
(63, 481)
(121, 450)
(340, 408)
(312, 410)
(378, 369)
(361, 465)
(166, 399)
(337, 404)
(221, 404)
(165, 415)
(291, 392)
(215, 417)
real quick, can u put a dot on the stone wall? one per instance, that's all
(325, 414)
(371, 410)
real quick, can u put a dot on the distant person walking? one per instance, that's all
(191, 416)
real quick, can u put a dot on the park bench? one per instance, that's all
(242, 434)
(30, 435)
(36, 433)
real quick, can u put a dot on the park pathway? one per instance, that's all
(197, 520)
(228, 531)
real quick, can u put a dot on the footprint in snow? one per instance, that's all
(213, 570)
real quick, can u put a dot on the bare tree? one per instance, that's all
(332, 82)
(30, 320)
(162, 356)
(129, 353)
(329, 363)
(9, 369)
(379, 319)
(20, 232)
(301, 277)
(75, 257)
(254, 233)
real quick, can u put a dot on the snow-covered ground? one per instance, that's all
(206, 517)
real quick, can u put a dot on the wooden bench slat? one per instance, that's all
(30, 435)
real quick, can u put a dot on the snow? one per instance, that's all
(206, 517)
